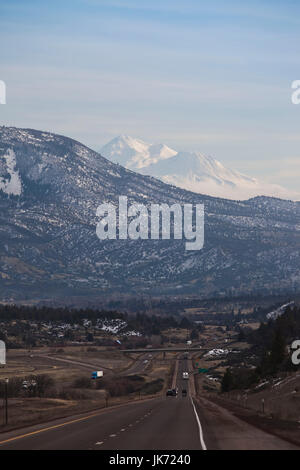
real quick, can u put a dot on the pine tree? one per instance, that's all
(278, 349)
(227, 381)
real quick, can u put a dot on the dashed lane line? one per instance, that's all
(49, 428)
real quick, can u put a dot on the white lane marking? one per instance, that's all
(99, 443)
(122, 430)
(199, 426)
(113, 435)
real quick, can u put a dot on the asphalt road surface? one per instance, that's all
(165, 423)
(140, 365)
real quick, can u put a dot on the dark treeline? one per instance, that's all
(230, 319)
(287, 325)
(21, 312)
(176, 305)
(153, 324)
(270, 343)
(281, 332)
(145, 324)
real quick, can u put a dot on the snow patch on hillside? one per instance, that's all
(116, 326)
(11, 182)
(279, 311)
(216, 353)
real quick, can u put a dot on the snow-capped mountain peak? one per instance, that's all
(189, 170)
(135, 153)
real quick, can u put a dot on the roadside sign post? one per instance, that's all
(202, 371)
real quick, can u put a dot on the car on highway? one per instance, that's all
(184, 392)
(171, 392)
(185, 375)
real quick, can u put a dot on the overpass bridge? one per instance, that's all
(164, 350)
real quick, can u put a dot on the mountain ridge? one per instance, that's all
(48, 236)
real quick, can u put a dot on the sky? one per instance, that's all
(214, 76)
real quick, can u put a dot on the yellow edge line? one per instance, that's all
(55, 426)
(49, 428)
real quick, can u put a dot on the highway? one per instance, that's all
(163, 423)
(140, 364)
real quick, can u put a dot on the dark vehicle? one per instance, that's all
(184, 392)
(172, 392)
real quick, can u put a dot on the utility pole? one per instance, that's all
(6, 400)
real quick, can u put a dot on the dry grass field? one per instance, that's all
(65, 366)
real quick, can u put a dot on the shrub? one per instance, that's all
(71, 394)
(82, 382)
(122, 385)
(14, 387)
(152, 387)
